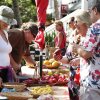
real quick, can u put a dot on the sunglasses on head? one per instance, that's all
(32, 32)
(69, 22)
(72, 21)
(34, 35)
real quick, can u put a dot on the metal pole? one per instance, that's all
(84, 5)
(41, 62)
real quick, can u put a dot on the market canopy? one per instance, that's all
(41, 10)
(41, 16)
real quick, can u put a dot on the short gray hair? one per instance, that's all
(84, 17)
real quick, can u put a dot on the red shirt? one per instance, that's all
(63, 43)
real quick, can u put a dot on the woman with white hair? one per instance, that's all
(82, 23)
(6, 19)
(89, 53)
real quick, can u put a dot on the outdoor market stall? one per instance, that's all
(53, 82)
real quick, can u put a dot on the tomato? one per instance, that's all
(57, 52)
(52, 80)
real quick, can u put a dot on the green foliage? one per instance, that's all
(26, 7)
(33, 2)
(53, 34)
(49, 16)
(27, 10)
(32, 48)
(6, 2)
(23, 63)
(49, 38)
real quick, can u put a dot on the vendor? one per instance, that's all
(20, 40)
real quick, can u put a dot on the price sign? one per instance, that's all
(64, 9)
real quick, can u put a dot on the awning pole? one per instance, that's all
(84, 5)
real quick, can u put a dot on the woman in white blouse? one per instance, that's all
(6, 19)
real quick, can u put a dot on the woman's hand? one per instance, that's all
(57, 55)
(15, 76)
(1, 83)
(74, 47)
(16, 67)
(75, 62)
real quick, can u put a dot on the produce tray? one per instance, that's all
(44, 84)
(59, 93)
(36, 91)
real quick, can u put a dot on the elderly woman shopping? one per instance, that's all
(82, 22)
(89, 53)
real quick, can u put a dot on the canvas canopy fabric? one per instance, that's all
(41, 16)
(41, 10)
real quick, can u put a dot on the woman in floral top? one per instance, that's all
(90, 59)
(82, 24)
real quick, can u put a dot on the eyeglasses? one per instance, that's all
(76, 22)
(33, 31)
(33, 35)
(90, 10)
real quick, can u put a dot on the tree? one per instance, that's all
(56, 10)
(33, 1)
(25, 9)
(16, 12)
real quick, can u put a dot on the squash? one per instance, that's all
(55, 64)
(51, 60)
(46, 62)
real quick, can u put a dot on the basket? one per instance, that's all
(17, 86)
(17, 95)
(51, 51)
